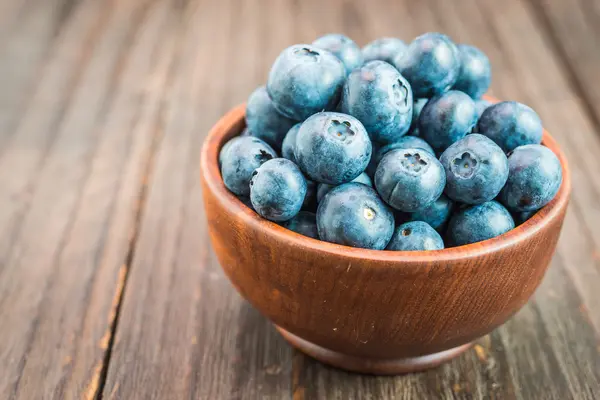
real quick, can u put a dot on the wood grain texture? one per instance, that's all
(102, 113)
(32, 38)
(69, 235)
(573, 30)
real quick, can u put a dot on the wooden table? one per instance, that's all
(108, 284)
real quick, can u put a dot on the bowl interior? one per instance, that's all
(233, 123)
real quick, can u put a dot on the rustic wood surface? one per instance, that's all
(108, 284)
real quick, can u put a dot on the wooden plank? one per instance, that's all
(573, 29)
(11, 13)
(187, 331)
(26, 148)
(23, 53)
(60, 279)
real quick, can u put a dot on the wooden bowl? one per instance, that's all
(380, 312)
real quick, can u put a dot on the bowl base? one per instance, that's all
(376, 366)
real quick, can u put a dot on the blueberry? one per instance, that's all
(480, 222)
(481, 105)
(405, 142)
(324, 188)
(343, 48)
(379, 97)
(246, 132)
(521, 216)
(384, 49)
(475, 73)
(510, 125)
(332, 148)
(409, 179)
(310, 199)
(435, 214)
(305, 80)
(415, 236)
(372, 166)
(225, 149)
(476, 169)
(353, 215)
(401, 217)
(263, 119)
(447, 118)
(305, 223)
(240, 160)
(534, 177)
(430, 64)
(277, 189)
(418, 105)
(289, 143)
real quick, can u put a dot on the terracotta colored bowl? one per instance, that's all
(381, 312)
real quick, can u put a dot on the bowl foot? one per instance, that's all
(376, 366)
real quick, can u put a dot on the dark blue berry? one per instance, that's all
(522, 216)
(418, 105)
(353, 215)
(289, 143)
(415, 236)
(383, 49)
(381, 99)
(405, 142)
(409, 179)
(310, 200)
(446, 119)
(225, 149)
(510, 125)
(481, 105)
(534, 177)
(435, 214)
(324, 188)
(343, 48)
(476, 169)
(240, 160)
(480, 222)
(277, 189)
(332, 148)
(264, 121)
(305, 80)
(430, 64)
(475, 72)
(305, 223)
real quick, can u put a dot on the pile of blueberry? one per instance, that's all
(389, 147)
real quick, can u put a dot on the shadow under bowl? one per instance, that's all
(381, 312)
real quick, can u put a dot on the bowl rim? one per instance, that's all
(233, 122)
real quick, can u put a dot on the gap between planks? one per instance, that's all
(97, 391)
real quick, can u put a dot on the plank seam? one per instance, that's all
(62, 242)
(142, 198)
